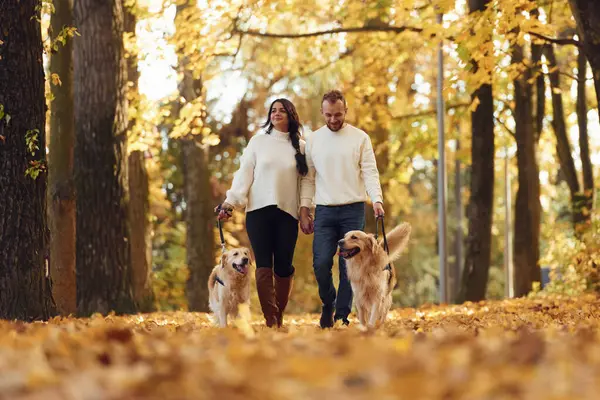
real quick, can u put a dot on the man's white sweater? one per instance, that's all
(267, 174)
(341, 168)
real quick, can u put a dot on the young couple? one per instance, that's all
(280, 178)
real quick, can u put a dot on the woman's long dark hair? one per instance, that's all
(294, 129)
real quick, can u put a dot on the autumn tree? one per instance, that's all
(138, 185)
(25, 291)
(61, 196)
(481, 201)
(587, 15)
(561, 25)
(563, 147)
(191, 128)
(527, 203)
(587, 197)
(102, 249)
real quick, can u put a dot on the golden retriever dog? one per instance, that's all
(372, 282)
(229, 284)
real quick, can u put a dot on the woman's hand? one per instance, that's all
(306, 221)
(225, 211)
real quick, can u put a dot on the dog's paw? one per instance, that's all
(367, 330)
(242, 322)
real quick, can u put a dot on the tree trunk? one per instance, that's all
(527, 204)
(199, 220)
(563, 147)
(139, 222)
(60, 170)
(481, 200)
(199, 217)
(540, 88)
(25, 291)
(586, 199)
(139, 196)
(584, 145)
(102, 249)
(587, 17)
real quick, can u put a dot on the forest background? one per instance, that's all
(150, 104)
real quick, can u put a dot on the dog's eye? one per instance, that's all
(235, 254)
(354, 237)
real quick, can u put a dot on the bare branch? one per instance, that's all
(574, 77)
(427, 113)
(311, 72)
(506, 128)
(235, 53)
(239, 46)
(566, 41)
(394, 29)
(324, 66)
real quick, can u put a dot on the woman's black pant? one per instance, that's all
(273, 234)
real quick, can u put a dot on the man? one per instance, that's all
(342, 168)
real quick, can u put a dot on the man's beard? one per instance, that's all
(337, 127)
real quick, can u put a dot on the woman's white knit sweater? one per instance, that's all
(267, 174)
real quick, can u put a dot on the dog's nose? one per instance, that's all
(245, 260)
(341, 243)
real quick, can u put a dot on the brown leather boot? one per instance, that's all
(266, 295)
(283, 289)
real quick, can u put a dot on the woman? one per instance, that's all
(267, 184)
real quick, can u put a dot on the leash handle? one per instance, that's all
(385, 243)
(219, 208)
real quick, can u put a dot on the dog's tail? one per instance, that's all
(397, 240)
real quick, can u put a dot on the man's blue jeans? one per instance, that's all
(331, 224)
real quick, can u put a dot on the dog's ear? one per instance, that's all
(371, 240)
(223, 259)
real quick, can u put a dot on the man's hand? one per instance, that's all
(378, 209)
(306, 222)
(225, 210)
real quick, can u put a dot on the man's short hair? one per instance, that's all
(334, 95)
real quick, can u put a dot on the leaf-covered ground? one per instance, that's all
(517, 349)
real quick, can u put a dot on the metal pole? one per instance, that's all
(509, 287)
(458, 263)
(441, 178)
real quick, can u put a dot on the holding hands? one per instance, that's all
(307, 224)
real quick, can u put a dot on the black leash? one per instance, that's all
(222, 241)
(220, 230)
(385, 243)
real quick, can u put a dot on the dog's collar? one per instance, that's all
(217, 279)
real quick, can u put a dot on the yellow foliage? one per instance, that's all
(537, 348)
(55, 79)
